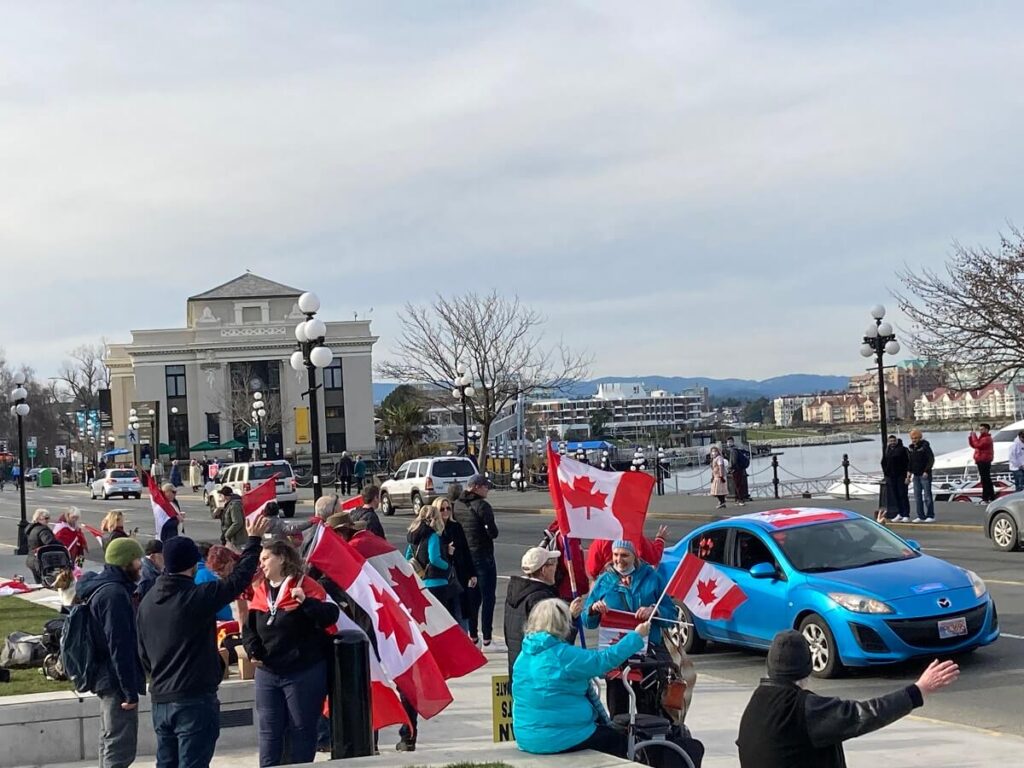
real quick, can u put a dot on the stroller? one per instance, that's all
(52, 560)
(52, 667)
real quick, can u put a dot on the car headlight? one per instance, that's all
(860, 603)
(977, 583)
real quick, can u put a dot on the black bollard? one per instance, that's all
(846, 475)
(351, 722)
(775, 474)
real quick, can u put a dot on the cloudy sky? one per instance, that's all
(719, 188)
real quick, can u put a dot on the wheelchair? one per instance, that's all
(650, 736)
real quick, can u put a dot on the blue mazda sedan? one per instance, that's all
(859, 593)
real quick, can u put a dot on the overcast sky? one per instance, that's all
(719, 188)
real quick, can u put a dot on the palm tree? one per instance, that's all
(405, 423)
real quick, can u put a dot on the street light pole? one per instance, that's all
(879, 340)
(462, 389)
(20, 409)
(312, 354)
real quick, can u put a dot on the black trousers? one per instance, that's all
(346, 484)
(604, 739)
(988, 492)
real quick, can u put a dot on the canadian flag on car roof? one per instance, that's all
(591, 503)
(704, 589)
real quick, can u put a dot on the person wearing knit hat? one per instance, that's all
(119, 676)
(786, 725)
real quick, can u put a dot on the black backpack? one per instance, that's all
(78, 653)
(742, 458)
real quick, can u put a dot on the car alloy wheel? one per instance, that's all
(691, 641)
(1004, 532)
(385, 505)
(824, 657)
(417, 503)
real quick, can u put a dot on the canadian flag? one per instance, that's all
(13, 587)
(591, 503)
(404, 655)
(614, 626)
(704, 589)
(385, 706)
(254, 501)
(455, 653)
(787, 518)
(95, 533)
(163, 509)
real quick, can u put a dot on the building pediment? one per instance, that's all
(247, 286)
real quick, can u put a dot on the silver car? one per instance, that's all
(1004, 522)
(116, 482)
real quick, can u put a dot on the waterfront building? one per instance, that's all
(998, 400)
(785, 407)
(199, 380)
(904, 384)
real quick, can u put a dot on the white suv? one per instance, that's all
(245, 476)
(420, 481)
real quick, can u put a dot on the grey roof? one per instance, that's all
(248, 286)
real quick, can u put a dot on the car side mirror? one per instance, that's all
(914, 545)
(763, 571)
(393, 475)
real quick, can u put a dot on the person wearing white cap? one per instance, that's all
(524, 592)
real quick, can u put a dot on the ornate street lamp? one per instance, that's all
(312, 354)
(133, 434)
(259, 413)
(20, 410)
(639, 461)
(880, 340)
(462, 389)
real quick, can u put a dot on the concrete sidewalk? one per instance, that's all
(463, 732)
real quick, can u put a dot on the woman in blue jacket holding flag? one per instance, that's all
(553, 707)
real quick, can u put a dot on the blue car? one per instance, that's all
(859, 593)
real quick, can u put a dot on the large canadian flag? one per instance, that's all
(455, 653)
(591, 503)
(163, 509)
(257, 499)
(404, 655)
(704, 589)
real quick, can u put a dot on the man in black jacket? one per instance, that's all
(177, 640)
(896, 468)
(344, 470)
(367, 513)
(119, 676)
(787, 726)
(922, 459)
(476, 517)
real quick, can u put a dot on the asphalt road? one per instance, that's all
(987, 695)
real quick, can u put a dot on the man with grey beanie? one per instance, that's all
(787, 726)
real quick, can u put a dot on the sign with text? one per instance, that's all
(501, 708)
(302, 424)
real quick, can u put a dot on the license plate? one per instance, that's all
(952, 628)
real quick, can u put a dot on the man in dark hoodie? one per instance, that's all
(178, 645)
(474, 514)
(367, 512)
(119, 676)
(896, 467)
(787, 726)
(922, 459)
(524, 592)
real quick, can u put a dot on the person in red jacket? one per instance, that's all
(983, 455)
(600, 552)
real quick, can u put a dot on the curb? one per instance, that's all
(711, 518)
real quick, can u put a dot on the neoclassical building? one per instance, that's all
(199, 380)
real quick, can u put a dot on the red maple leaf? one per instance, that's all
(706, 591)
(582, 494)
(391, 619)
(408, 590)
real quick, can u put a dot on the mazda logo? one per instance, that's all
(944, 602)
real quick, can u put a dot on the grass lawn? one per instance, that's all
(767, 435)
(17, 615)
(477, 765)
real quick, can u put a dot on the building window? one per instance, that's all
(335, 442)
(252, 314)
(332, 376)
(334, 412)
(213, 427)
(175, 377)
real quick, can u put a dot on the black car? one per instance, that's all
(1004, 523)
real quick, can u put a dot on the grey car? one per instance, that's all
(1004, 523)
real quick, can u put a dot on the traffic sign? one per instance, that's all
(32, 443)
(60, 452)
(254, 434)
(31, 452)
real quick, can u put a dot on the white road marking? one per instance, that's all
(1014, 637)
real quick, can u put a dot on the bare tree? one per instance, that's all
(84, 375)
(236, 402)
(972, 316)
(498, 339)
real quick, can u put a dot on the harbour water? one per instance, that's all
(816, 461)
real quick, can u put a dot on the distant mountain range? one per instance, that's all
(742, 389)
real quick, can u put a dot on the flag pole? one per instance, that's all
(572, 585)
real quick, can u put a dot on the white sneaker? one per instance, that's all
(928, 520)
(495, 646)
(903, 519)
(917, 520)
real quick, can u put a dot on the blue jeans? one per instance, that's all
(481, 597)
(186, 731)
(1018, 480)
(289, 704)
(923, 493)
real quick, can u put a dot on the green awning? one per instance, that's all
(206, 445)
(165, 449)
(231, 445)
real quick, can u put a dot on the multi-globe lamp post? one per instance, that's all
(880, 340)
(311, 355)
(462, 390)
(20, 409)
(133, 434)
(259, 413)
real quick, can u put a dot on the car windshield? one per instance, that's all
(263, 471)
(453, 468)
(123, 473)
(853, 543)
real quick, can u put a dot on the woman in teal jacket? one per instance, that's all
(628, 584)
(552, 710)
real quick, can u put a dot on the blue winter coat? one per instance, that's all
(644, 591)
(550, 708)
(204, 576)
(114, 632)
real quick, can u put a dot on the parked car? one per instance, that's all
(245, 476)
(116, 482)
(1004, 523)
(420, 481)
(859, 593)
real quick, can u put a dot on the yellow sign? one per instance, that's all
(302, 425)
(501, 708)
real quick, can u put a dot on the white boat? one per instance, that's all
(961, 461)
